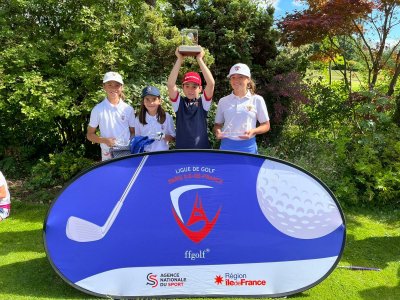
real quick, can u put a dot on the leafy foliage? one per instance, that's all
(322, 19)
(51, 65)
(330, 23)
(57, 170)
(350, 143)
(239, 31)
(233, 31)
(375, 161)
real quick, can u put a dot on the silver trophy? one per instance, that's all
(157, 136)
(190, 38)
(228, 132)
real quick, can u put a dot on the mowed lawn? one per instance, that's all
(356, 78)
(373, 240)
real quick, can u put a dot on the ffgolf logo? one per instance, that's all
(193, 255)
(198, 214)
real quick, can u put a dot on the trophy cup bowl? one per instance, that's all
(189, 45)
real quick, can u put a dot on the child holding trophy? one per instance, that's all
(238, 113)
(192, 109)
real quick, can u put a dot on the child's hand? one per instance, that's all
(178, 54)
(169, 138)
(109, 141)
(219, 134)
(247, 135)
(201, 54)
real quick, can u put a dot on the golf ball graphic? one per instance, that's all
(295, 203)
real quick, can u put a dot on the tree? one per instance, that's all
(367, 23)
(54, 54)
(380, 23)
(233, 31)
(395, 71)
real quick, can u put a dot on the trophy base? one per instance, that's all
(189, 50)
(232, 134)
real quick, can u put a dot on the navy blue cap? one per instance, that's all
(150, 90)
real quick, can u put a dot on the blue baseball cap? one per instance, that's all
(150, 90)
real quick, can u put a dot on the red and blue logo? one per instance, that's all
(152, 280)
(198, 214)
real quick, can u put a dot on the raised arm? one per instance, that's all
(210, 82)
(173, 76)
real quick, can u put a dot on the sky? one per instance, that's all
(284, 6)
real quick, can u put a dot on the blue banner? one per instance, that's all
(194, 223)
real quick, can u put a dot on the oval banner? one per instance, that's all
(194, 223)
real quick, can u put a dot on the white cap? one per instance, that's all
(241, 69)
(112, 76)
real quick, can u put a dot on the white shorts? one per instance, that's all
(4, 213)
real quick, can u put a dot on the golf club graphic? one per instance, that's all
(80, 230)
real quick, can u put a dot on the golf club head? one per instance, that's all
(80, 230)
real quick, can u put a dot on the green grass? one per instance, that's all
(373, 240)
(356, 77)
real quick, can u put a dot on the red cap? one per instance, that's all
(192, 77)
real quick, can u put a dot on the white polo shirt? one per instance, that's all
(114, 122)
(3, 182)
(153, 127)
(205, 102)
(240, 114)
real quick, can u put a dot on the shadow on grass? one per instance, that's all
(298, 295)
(387, 293)
(372, 252)
(389, 217)
(21, 241)
(36, 279)
(27, 212)
(22, 231)
(351, 220)
(32, 278)
(375, 252)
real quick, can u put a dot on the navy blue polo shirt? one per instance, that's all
(191, 125)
